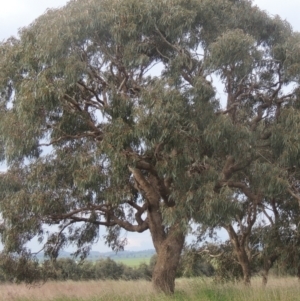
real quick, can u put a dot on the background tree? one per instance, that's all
(67, 269)
(127, 149)
(224, 261)
(108, 269)
(278, 237)
(194, 264)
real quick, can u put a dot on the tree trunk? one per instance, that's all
(168, 256)
(168, 241)
(268, 263)
(265, 274)
(239, 247)
(245, 264)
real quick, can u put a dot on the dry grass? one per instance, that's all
(278, 289)
(74, 290)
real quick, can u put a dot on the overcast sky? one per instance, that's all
(19, 13)
(15, 14)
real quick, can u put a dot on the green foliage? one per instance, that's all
(94, 137)
(21, 269)
(193, 264)
(68, 269)
(217, 260)
(63, 269)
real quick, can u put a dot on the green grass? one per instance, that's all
(284, 289)
(133, 262)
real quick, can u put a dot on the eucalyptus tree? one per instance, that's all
(278, 237)
(110, 118)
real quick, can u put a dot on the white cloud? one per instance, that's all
(133, 243)
(142, 242)
(288, 10)
(15, 14)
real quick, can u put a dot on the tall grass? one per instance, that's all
(278, 289)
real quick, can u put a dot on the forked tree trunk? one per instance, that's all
(168, 256)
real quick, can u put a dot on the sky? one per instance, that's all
(15, 14)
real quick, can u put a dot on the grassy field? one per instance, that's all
(283, 289)
(133, 262)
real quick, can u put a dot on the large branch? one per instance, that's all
(244, 188)
(68, 137)
(140, 227)
(151, 194)
(259, 116)
(230, 167)
(81, 84)
(111, 219)
(162, 185)
(83, 219)
(233, 236)
(140, 211)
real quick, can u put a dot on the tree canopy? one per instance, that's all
(109, 117)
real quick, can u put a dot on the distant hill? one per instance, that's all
(95, 255)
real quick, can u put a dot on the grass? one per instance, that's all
(133, 262)
(278, 289)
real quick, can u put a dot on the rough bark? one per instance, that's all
(168, 256)
(168, 241)
(245, 264)
(239, 246)
(168, 245)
